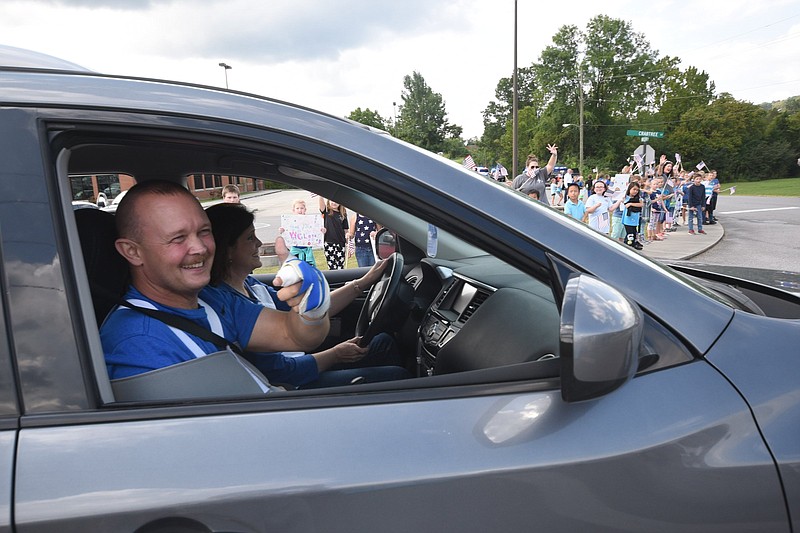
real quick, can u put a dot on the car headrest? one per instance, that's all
(106, 269)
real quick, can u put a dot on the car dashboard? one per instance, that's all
(480, 314)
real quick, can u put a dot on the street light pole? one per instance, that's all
(226, 67)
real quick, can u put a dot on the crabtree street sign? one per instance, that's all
(642, 133)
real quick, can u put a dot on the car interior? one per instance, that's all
(460, 318)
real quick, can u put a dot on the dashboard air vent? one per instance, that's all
(473, 306)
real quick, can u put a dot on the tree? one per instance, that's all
(624, 84)
(497, 116)
(423, 118)
(369, 118)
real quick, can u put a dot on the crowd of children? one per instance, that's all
(640, 209)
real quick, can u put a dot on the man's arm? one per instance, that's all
(306, 291)
(286, 331)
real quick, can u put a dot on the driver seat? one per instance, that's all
(106, 269)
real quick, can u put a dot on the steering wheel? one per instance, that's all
(376, 314)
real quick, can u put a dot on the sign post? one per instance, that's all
(645, 150)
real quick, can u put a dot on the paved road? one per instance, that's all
(760, 232)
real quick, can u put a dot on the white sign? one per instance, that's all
(619, 185)
(302, 230)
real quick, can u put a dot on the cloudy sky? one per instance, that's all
(336, 55)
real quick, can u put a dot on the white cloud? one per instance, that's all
(336, 56)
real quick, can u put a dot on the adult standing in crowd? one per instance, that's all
(362, 230)
(335, 217)
(668, 174)
(534, 178)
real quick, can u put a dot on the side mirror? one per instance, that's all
(385, 242)
(600, 336)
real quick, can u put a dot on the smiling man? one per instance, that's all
(166, 237)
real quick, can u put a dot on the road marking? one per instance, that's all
(757, 210)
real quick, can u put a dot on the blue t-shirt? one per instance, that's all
(134, 343)
(630, 218)
(575, 210)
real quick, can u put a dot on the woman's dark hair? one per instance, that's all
(228, 222)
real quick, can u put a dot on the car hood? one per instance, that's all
(782, 280)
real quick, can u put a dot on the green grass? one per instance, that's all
(319, 256)
(779, 187)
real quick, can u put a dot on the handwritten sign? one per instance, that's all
(302, 230)
(618, 186)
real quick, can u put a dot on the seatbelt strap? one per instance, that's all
(179, 325)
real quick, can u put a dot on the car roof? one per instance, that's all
(11, 56)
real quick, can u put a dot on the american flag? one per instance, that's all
(469, 163)
(639, 160)
(700, 165)
(351, 247)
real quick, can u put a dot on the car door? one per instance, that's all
(9, 423)
(645, 457)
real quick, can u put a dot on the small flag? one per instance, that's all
(733, 190)
(677, 158)
(351, 247)
(469, 163)
(701, 165)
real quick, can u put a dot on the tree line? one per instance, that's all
(612, 74)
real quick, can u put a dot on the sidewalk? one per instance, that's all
(680, 245)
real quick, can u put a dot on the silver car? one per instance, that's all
(562, 382)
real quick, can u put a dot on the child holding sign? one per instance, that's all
(302, 232)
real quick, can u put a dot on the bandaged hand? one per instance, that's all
(314, 291)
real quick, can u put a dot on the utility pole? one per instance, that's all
(515, 102)
(580, 119)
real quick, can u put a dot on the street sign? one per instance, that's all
(647, 153)
(642, 133)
